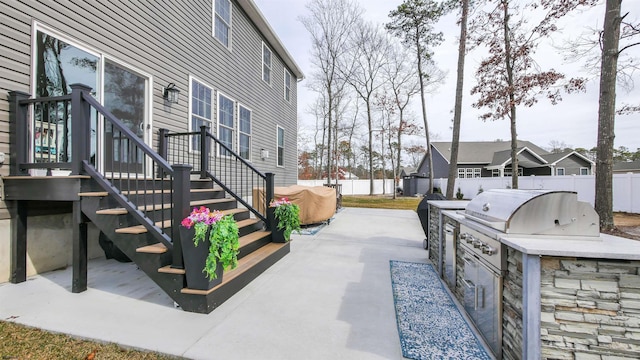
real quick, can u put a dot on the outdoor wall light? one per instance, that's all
(264, 154)
(170, 93)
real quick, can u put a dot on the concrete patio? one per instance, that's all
(330, 298)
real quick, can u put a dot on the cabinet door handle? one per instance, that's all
(475, 298)
(469, 284)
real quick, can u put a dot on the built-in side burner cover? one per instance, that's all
(536, 212)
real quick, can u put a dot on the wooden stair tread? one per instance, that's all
(244, 264)
(139, 192)
(158, 248)
(28, 177)
(140, 229)
(169, 270)
(247, 222)
(123, 211)
(232, 211)
(249, 238)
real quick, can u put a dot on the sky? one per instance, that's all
(574, 121)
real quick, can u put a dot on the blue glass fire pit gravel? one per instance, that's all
(429, 323)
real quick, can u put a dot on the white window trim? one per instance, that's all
(286, 72)
(99, 93)
(264, 46)
(219, 124)
(586, 169)
(213, 94)
(249, 134)
(230, 24)
(277, 145)
(558, 169)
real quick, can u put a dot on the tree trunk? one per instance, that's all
(457, 115)
(330, 112)
(424, 118)
(396, 171)
(512, 116)
(606, 115)
(370, 149)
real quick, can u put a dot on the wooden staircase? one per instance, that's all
(257, 252)
(136, 194)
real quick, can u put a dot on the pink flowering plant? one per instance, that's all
(288, 216)
(223, 238)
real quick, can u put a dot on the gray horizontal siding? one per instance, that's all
(169, 40)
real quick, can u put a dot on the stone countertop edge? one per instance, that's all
(454, 214)
(603, 247)
(449, 204)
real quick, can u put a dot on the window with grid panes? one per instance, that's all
(225, 123)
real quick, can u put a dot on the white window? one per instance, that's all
(584, 171)
(266, 64)
(200, 109)
(226, 115)
(559, 171)
(287, 85)
(495, 173)
(280, 146)
(222, 21)
(244, 132)
(469, 173)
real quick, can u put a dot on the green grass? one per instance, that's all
(22, 342)
(381, 202)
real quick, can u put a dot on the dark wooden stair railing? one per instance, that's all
(142, 201)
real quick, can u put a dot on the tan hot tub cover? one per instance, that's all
(317, 203)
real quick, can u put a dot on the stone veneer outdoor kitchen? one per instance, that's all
(561, 299)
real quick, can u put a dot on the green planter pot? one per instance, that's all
(194, 261)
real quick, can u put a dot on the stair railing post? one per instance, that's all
(205, 149)
(181, 193)
(163, 149)
(19, 129)
(80, 127)
(268, 196)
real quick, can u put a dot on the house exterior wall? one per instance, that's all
(572, 165)
(170, 41)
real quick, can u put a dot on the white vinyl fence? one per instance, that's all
(626, 187)
(356, 187)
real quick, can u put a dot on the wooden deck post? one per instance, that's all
(80, 127)
(79, 282)
(181, 194)
(19, 134)
(205, 149)
(268, 196)
(18, 244)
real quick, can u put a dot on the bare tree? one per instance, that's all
(330, 23)
(510, 77)
(368, 56)
(413, 21)
(403, 85)
(457, 113)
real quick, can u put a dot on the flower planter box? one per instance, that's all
(194, 261)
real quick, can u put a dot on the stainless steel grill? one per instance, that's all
(534, 212)
(514, 212)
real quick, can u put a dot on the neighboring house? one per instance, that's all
(174, 65)
(493, 159)
(627, 167)
(406, 171)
